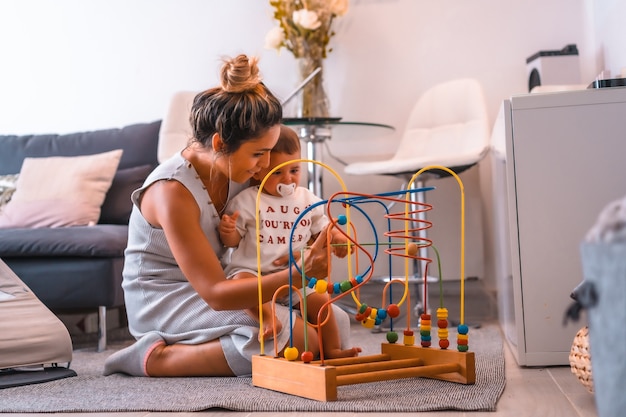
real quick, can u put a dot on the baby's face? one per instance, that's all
(287, 174)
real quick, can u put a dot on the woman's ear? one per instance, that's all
(217, 143)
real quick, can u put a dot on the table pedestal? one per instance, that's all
(313, 131)
(313, 136)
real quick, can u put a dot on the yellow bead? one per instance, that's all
(368, 323)
(422, 327)
(442, 313)
(321, 287)
(442, 333)
(409, 340)
(462, 337)
(374, 313)
(291, 353)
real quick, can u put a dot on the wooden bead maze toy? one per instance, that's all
(319, 379)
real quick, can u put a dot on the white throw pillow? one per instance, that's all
(60, 191)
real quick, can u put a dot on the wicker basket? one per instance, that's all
(580, 358)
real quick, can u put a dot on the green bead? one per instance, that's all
(345, 286)
(392, 337)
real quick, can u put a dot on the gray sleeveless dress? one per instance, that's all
(160, 299)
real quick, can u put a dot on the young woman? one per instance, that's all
(188, 319)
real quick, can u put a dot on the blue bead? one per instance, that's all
(382, 313)
(377, 321)
(342, 219)
(426, 338)
(359, 279)
(336, 288)
(312, 282)
(462, 329)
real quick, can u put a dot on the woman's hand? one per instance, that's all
(316, 257)
(283, 261)
(339, 242)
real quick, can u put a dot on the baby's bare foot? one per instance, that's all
(342, 353)
(268, 331)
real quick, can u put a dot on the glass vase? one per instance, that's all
(312, 99)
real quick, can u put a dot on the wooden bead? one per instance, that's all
(345, 286)
(291, 353)
(368, 323)
(393, 311)
(307, 356)
(321, 286)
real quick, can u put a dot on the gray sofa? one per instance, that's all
(72, 269)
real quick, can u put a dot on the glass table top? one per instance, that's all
(320, 121)
(317, 129)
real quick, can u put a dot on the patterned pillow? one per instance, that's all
(7, 188)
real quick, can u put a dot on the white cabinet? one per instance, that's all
(565, 160)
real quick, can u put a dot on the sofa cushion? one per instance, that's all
(100, 241)
(61, 191)
(66, 284)
(117, 204)
(139, 143)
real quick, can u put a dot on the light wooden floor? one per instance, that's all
(529, 392)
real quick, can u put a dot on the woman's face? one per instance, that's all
(287, 174)
(252, 156)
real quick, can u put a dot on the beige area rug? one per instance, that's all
(92, 392)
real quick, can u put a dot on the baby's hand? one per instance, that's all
(228, 228)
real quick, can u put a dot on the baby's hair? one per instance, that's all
(240, 109)
(288, 141)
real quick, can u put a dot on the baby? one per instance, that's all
(281, 202)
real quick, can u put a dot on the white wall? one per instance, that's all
(72, 65)
(609, 35)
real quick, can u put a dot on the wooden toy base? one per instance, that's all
(319, 382)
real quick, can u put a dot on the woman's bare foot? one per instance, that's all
(342, 353)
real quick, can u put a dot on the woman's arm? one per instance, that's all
(170, 206)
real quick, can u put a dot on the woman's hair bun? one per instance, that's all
(240, 74)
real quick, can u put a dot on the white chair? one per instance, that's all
(448, 126)
(175, 131)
